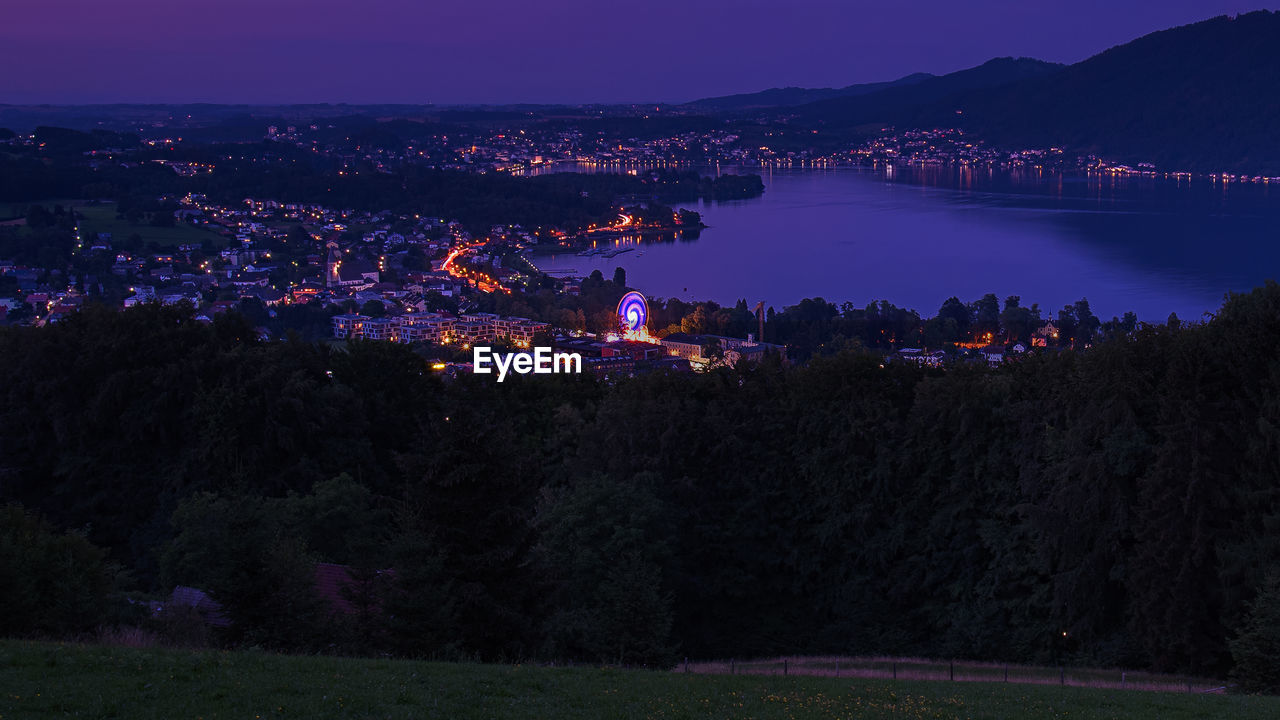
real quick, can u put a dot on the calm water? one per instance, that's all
(915, 237)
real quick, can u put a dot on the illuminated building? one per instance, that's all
(349, 325)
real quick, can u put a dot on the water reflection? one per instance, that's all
(917, 235)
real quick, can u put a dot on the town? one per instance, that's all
(465, 274)
(409, 279)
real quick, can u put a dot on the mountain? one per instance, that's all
(1201, 97)
(791, 96)
(893, 103)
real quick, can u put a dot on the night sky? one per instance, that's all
(496, 51)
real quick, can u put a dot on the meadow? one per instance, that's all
(40, 680)
(900, 668)
(101, 217)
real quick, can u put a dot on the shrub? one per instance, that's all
(51, 583)
(1256, 651)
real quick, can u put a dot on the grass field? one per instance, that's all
(39, 680)
(962, 671)
(101, 217)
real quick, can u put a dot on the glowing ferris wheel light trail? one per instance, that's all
(633, 311)
(633, 314)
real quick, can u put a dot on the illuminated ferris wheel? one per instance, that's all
(633, 313)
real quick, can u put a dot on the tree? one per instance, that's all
(1088, 323)
(1068, 326)
(415, 259)
(960, 314)
(604, 543)
(340, 522)
(437, 302)
(986, 316)
(421, 599)
(695, 323)
(620, 277)
(713, 351)
(1256, 650)
(373, 308)
(238, 549)
(1019, 322)
(50, 582)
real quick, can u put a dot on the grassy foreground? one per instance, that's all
(50, 680)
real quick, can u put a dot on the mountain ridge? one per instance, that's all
(1203, 97)
(894, 101)
(793, 95)
(1199, 97)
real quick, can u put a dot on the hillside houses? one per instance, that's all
(440, 328)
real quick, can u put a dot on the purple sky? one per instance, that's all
(446, 51)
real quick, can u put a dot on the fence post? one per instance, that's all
(784, 666)
(731, 668)
(1006, 672)
(1062, 676)
(951, 671)
(837, 668)
(1124, 680)
(686, 664)
(895, 670)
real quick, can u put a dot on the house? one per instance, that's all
(993, 354)
(1045, 335)
(917, 356)
(670, 364)
(635, 350)
(690, 347)
(386, 329)
(426, 327)
(340, 590)
(349, 325)
(251, 279)
(470, 332)
(609, 366)
(268, 296)
(347, 592)
(354, 274)
(518, 330)
(684, 345)
(210, 610)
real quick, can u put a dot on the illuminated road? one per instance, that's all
(624, 221)
(484, 281)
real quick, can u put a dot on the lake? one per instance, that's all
(916, 236)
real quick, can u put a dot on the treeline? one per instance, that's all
(690, 185)
(1111, 506)
(815, 326)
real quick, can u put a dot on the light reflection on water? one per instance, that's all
(917, 236)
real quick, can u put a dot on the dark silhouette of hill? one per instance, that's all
(1200, 97)
(792, 96)
(896, 103)
(1203, 97)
